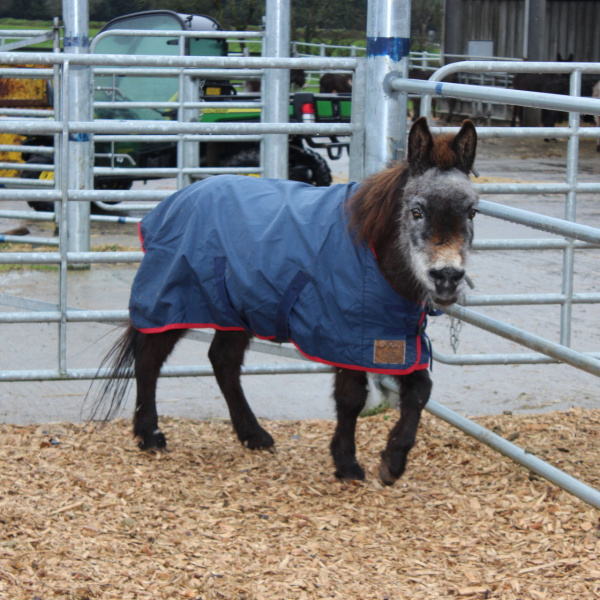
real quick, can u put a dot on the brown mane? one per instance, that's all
(373, 209)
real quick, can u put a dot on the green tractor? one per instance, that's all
(304, 164)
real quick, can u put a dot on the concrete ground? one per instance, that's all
(469, 390)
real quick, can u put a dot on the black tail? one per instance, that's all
(119, 362)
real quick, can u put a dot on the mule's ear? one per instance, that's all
(465, 145)
(420, 143)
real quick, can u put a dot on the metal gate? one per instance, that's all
(68, 132)
(572, 237)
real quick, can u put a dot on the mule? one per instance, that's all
(388, 251)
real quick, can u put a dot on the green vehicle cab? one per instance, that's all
(305, 165)
(123, 96)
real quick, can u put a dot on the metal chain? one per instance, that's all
(455, 328)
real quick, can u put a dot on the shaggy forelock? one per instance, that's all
(438, 184)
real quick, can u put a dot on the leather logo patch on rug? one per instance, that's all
(389, 351)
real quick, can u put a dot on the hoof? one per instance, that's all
(385, 475)
(352, 472)
(156, 440)
(259, 441)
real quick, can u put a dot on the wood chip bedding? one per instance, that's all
(84, 514)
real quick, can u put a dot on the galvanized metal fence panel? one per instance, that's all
(182, 132)
(62, 191)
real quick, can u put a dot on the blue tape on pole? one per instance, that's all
(76, 41)
(79, 137)
(438, 89)
(395, 47)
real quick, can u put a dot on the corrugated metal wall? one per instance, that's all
(497, 20)
(572, 27)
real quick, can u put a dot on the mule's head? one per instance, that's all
(439, 204)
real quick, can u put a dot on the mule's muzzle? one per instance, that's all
(446, 282)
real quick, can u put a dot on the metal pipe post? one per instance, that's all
(80, 149)
(276, 88)
(189, 152)
(58, 111)
(357, 142)
(388, 40)
(570, 214)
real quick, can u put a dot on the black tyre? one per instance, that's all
(100, 184)
(244, 158)
(42, 159)
(108, 184)
(304, 165)
(309, 167)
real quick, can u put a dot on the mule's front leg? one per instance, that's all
(414, 394)
(350, 394)
(226, 355)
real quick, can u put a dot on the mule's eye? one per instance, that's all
(472, 213)
(417, 213)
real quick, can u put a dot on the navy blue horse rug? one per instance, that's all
(275, 258)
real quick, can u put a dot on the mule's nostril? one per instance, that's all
(436, 275)
(446, 275)
(458, 275)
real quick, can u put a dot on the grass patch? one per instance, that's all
(336, 37)
(9, 23)
(8, 247)
(376, 410)
(19, 24)
(114, 248)
(9, 268)
(13, 247)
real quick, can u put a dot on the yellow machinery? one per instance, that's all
(20, 93)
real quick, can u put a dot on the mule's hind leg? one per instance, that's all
(350, 394)
(150, 352)
(226, 355)
(414, 394)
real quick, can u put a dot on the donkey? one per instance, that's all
(297, 81)
(550, 83)
(347, 273)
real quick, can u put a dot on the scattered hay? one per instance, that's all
(84, 514)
